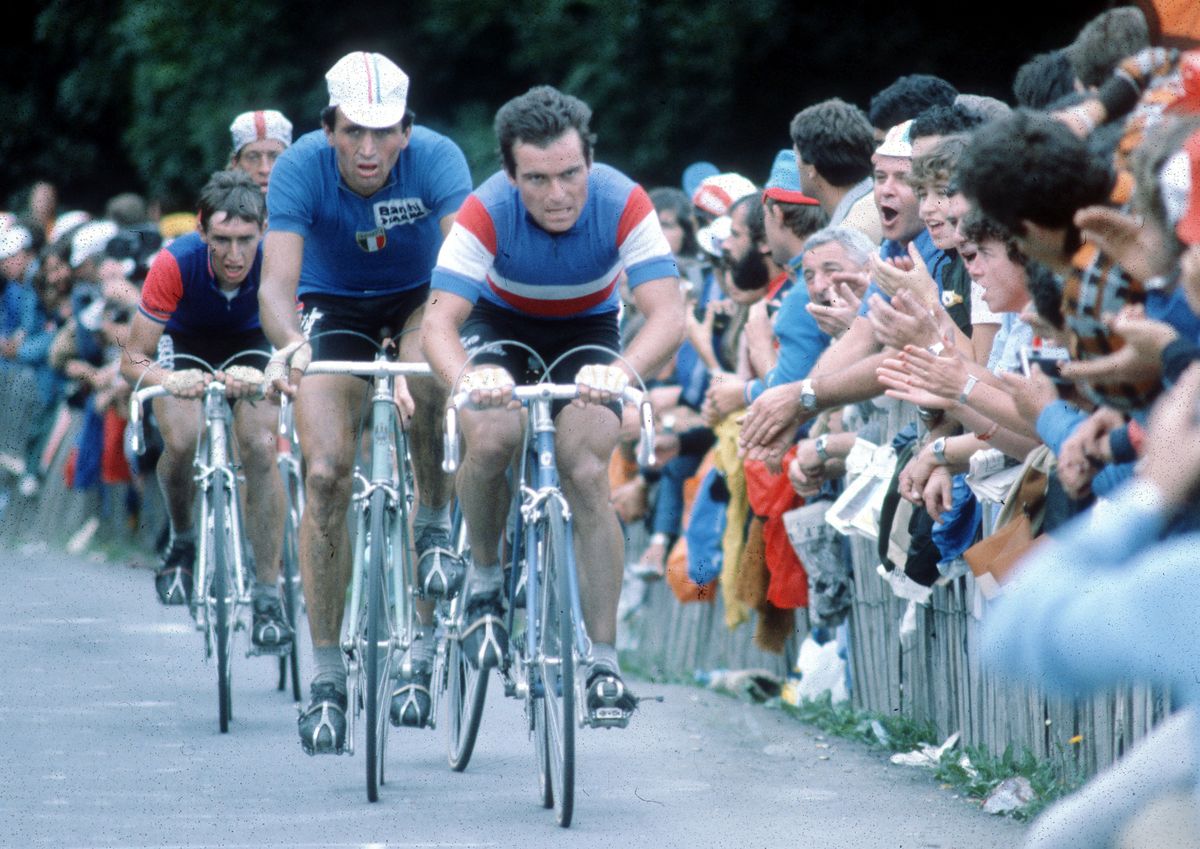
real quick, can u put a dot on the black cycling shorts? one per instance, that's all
(550, 338)
(374, 317)
(214, 349)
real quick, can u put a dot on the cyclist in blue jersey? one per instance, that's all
(358, 211)
(536, 255)
(201, 298)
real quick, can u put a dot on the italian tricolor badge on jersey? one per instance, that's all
(372, 240)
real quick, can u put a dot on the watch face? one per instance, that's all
(808, 400)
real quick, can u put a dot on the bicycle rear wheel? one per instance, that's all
(376, 655)
(554, 712)
(225, 590)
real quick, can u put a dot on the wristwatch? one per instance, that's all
(819, 446)
(808, 397)
(938, 447)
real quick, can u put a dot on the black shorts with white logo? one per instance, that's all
(375, 317)
(549, 338)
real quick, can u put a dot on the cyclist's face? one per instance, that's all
(552, 180)
(366, 156)
(232, 243)
(258, 158)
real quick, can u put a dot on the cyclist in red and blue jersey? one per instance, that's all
(536, 255)
(358, 211)
(201, 298)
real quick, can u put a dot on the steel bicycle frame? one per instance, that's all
(391, 472)
(215, 474)
(541, 452)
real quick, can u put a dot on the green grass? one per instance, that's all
(902, 734)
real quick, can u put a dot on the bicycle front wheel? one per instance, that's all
(466, 686)
(290, 663)
(224, 589)
(377, 648)
(554, 712)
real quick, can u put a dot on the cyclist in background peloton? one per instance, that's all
(536, 255)
(201, 298)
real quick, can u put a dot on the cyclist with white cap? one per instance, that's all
(358, 211)
(259, 137)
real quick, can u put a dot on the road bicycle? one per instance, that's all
(543, 594)
(221, 581)
(382, 622)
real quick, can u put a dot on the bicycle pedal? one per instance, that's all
(269, 651)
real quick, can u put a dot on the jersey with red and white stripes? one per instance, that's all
(497, 252)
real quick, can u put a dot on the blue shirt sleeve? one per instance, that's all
(1102, 601)
(291, 202)
(801, 343)
(449, 177)
(1057, 422)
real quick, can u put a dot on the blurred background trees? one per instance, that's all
(118, 95)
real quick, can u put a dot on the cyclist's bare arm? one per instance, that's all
(283, 254)
(140, 351)
(661, 302)
(444, 314)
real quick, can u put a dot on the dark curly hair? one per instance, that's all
(907, 98)
(538, 117)
(1029, 166)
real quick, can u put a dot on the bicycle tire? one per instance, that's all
(466, 686)
(222, 589)
(467, 691)
(376, 678)
(558, 667)
(290, 663)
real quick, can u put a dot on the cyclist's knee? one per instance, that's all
(327, 490)
(586, 477)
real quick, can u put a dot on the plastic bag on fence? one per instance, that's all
(821, 671)
(857, 509)
(820, 547)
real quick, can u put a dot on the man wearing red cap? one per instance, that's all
(358, 211)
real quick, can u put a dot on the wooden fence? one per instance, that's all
(933, 675)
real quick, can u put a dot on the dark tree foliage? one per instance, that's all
(113, 95)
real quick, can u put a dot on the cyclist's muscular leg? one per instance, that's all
(490, 438)
(255, 427)
(178, 421)
(425, 429)
(327, 418)
(586, 439)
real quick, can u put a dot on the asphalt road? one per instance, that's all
(110, 739)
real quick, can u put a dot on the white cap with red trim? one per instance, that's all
(370, 89)
(259, 125)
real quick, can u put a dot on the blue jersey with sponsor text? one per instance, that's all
(357, 246)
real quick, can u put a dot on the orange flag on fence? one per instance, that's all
(1173, 23)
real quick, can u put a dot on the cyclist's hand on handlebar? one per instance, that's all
(242, 382)
(489, 386)
(286, 367)
(600, 384)
(187, 383)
